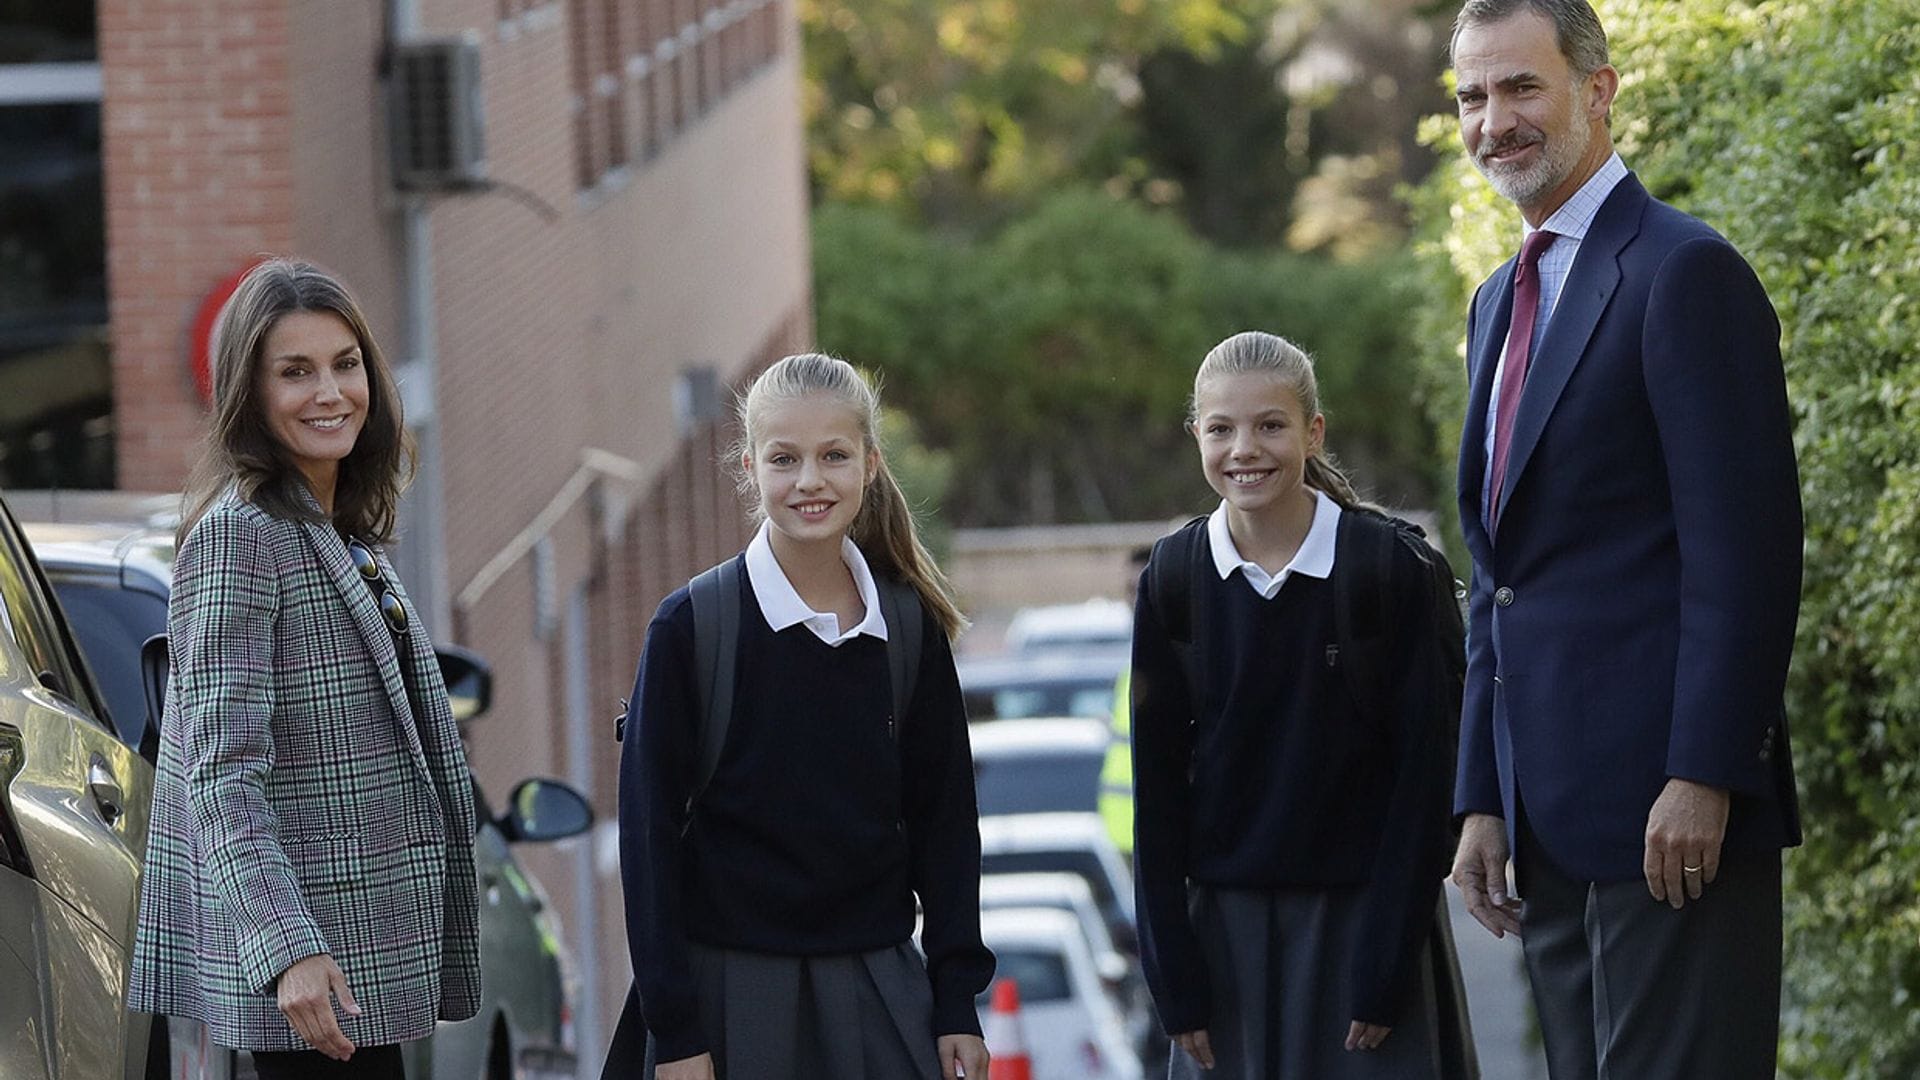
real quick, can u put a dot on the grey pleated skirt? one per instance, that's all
(858, 1016)
(1279, 971)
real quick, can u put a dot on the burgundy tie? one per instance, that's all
(1513, 377)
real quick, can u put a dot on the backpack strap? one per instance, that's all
(1177, 561)
(900, 606)
(1362, 602)
(716, 650)
(1176, 558)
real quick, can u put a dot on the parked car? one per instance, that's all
(1073, 1030)
(1039, 765)
(1064, 843)
(73, 833)
(1091, 624)
(1118, 972)
(1049, 683)
(113, 584)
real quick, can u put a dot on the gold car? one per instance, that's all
(73, 831)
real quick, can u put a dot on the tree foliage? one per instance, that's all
(1242, 115)
(954, 105)
(1053, 359)
(1794, 128)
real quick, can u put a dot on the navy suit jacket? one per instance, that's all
(1633, 618)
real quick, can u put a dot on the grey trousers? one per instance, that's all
(1629, 989)
(1280, 974)
(861, 1016)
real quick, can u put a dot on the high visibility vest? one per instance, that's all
(1116, 773)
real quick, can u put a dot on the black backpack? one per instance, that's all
(1362, 604)
(716, 649)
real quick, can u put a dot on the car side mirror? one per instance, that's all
(545, 810)
(469, 680)
(1113, 969)
(155, 658)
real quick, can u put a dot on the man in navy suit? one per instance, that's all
(1629, 496)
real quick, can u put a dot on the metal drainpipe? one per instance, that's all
(422, 556)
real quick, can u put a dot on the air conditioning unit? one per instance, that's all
(435, 115)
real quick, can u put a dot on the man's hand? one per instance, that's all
(693, 1068)
(963, 1055)
(1684, 830)
(1195, 1043)
(1480, 873)
(306, 992)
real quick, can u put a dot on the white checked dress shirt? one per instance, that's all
(1571, 221)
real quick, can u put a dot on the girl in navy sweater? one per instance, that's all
(1289, 842)
(770, 913)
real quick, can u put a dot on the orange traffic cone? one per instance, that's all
(1006, 1036)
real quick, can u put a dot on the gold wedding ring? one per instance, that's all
(1689, 869)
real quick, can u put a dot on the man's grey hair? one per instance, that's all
(1582, 39)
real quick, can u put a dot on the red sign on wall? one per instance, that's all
(200, 355)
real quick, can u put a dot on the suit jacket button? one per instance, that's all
(1503, 596)
(1496, 680)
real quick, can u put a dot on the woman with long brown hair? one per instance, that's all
(309, 891)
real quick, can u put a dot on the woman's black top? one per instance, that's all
(819, 826)
(1280, 782)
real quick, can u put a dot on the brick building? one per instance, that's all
(564, 331)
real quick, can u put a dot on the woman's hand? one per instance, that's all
(306, 994)
(1195, 1044)
(693, 1068)
(1366, 1036)
(963, 1055)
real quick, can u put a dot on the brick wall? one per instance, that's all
(198, 160)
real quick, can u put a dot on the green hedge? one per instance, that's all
(1052, 360)
(1793, 127)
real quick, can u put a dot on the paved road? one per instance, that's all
(1502, 1012)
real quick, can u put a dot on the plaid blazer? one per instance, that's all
(305, 801)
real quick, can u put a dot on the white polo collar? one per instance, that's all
(1314, 559)
(782, 607)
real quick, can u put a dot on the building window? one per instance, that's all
(56, 371)
(610, 84)
(47, 32)
(642, 70)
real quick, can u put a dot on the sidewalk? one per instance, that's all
(1501, 1010)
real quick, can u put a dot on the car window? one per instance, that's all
(1038, 784)
(1084, 863)
(1041, 976)
(111, 624)
(1084, 697)
(35, 627)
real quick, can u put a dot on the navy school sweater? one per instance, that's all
(1279, 782)
(817, 830)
